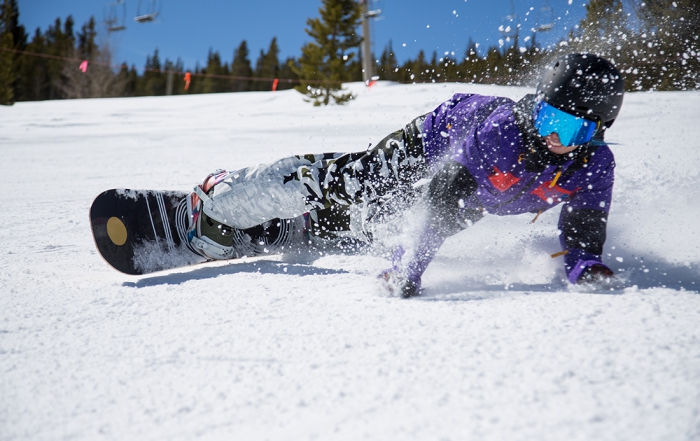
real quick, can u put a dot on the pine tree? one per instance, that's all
(31, 71)
(419, 69)
(60, 43)
(433, 67)
(214, 67)
(176, 72)
(599, 29)
(267, 66)
(87, 46)
(19, 34)
(472, 65)
(448, 68)
(388, 66)
(287, 74)
(668, 48)
(493, 72)
(152, 83)
(12, 36)
(130, 79)
(73, 83)
(240, 67)
(7, 71)
(40, 78)
(323, 65)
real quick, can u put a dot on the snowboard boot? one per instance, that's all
(216, 231)
(206, 236)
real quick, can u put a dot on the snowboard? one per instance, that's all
(142, 231)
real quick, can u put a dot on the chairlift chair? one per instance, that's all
(509, 28)
(148, 11)
(373, 11)
(545, 18)
(115, 16)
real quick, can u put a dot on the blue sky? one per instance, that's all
(188, 29)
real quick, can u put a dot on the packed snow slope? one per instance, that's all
(497, 347)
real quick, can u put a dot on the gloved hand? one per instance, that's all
(396, 282)
(404, 278)
(596, 275)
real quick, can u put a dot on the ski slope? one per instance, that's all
(498, 346)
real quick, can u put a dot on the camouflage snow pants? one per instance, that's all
(329, 182)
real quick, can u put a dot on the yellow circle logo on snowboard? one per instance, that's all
(116, 231)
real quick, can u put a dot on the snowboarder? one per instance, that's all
(481, 154)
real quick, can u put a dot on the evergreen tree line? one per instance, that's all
(28, 78)
(661, 53)
(46, 66)
(658, 51)
(168, 77)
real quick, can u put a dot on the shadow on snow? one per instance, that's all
(647, 272)
(634, 270)
(211, 272)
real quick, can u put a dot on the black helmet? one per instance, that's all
(583, 84)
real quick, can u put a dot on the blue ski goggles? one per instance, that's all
(572, 130)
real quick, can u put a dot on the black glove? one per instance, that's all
(596, 275)
(398, 284)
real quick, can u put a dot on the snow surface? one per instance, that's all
(498, 347)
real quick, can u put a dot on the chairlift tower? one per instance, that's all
(367, 65)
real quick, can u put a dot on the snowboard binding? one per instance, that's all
(205, 236)
(216, 240)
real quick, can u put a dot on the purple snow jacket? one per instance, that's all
(513, 173)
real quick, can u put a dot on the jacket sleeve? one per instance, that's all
(446, 214)
(447, 192)
(583, 219)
